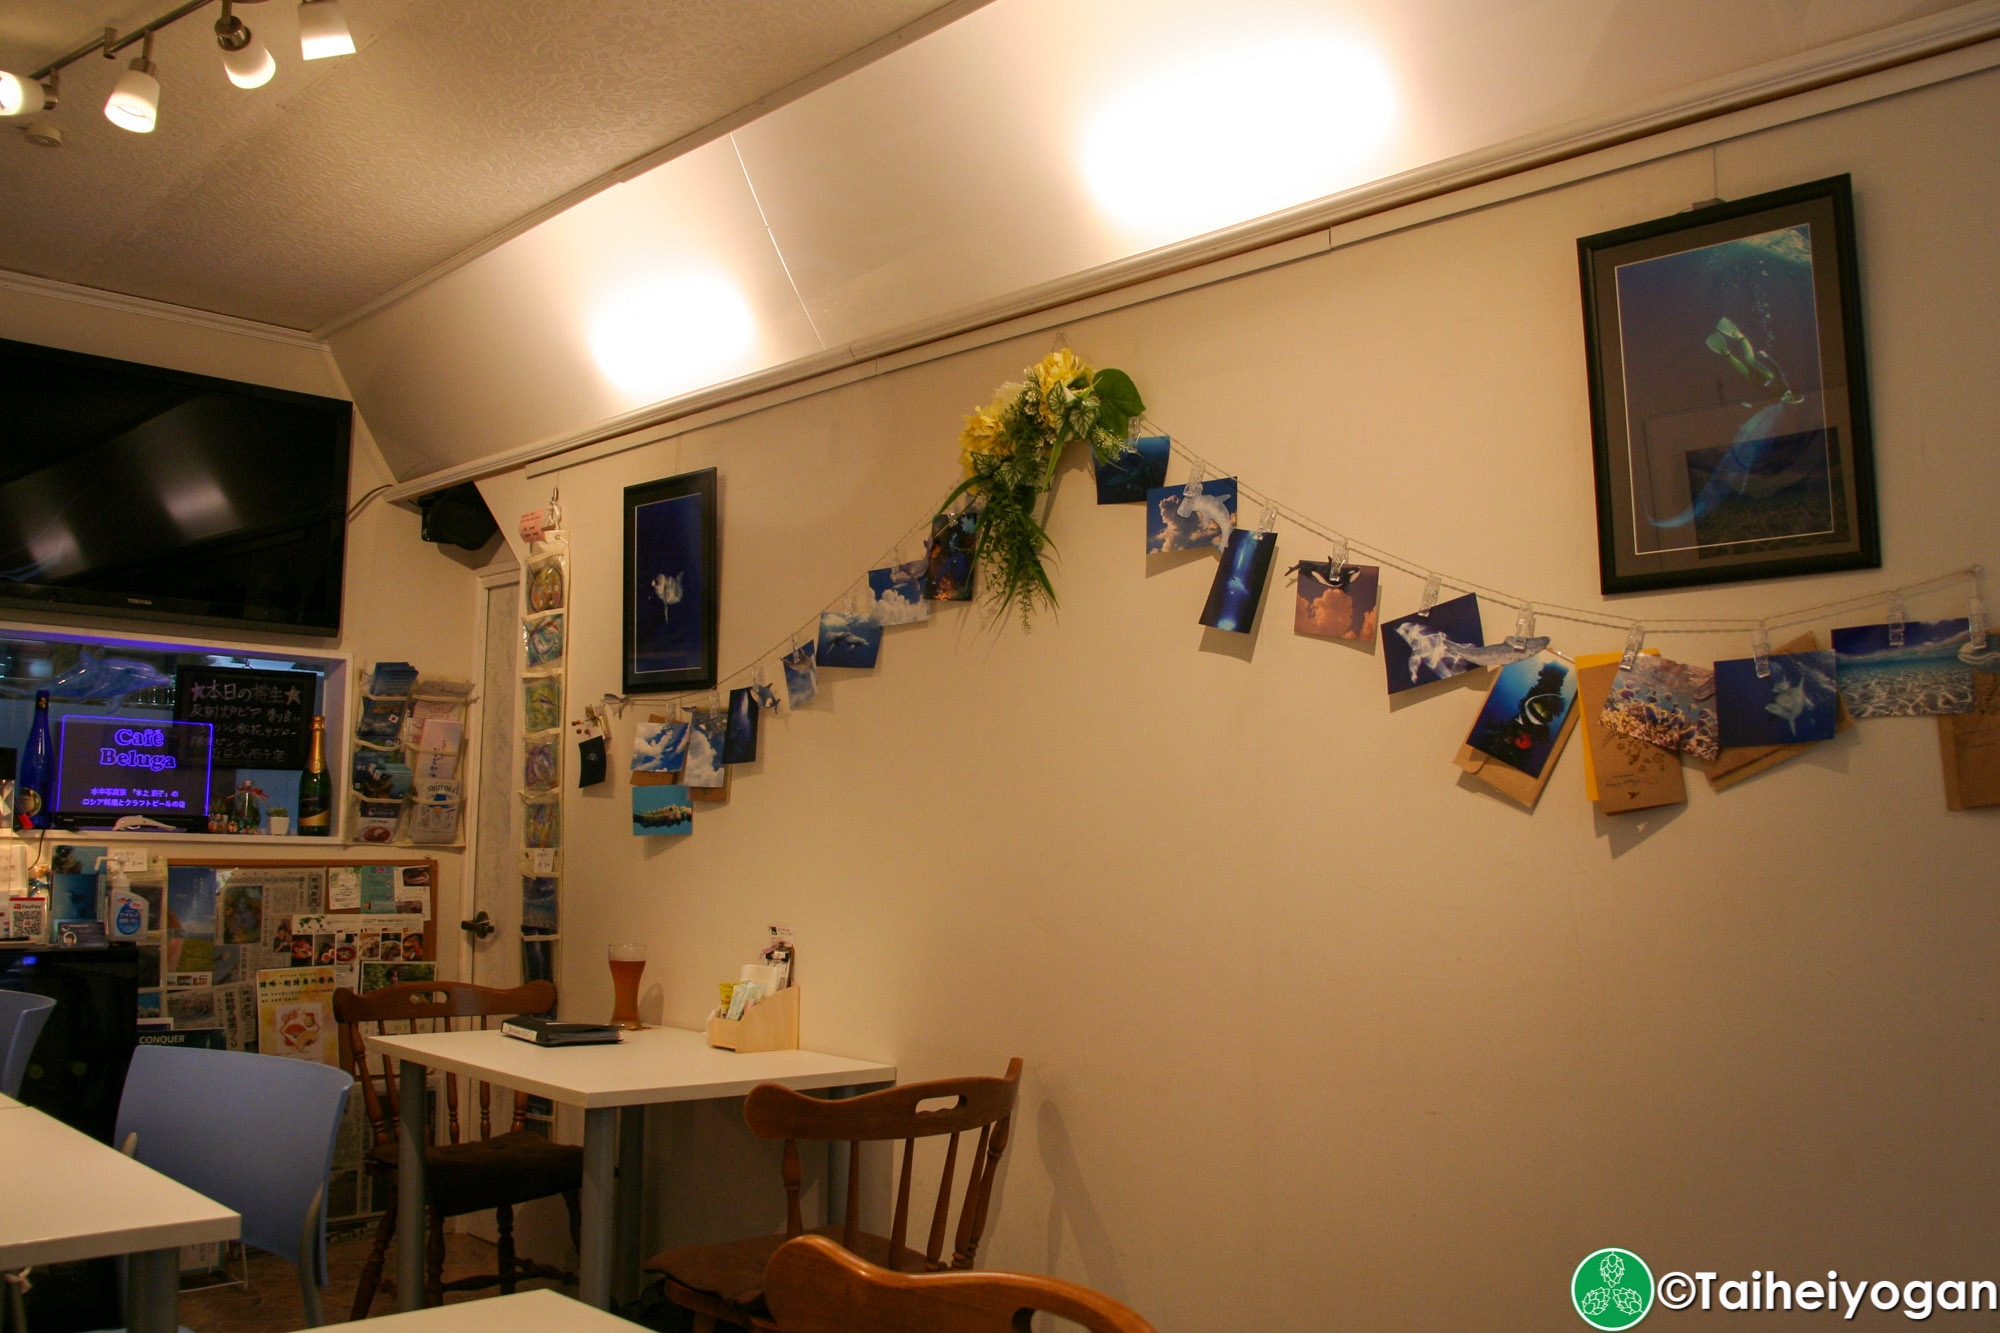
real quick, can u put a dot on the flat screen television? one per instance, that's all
(130, 490)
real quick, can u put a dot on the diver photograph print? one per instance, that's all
(1729, 401)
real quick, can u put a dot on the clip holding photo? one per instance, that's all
(1269, 522)
(1635, 639)
(1524, 628)
(1432, 587)
(1191, 489)
(1897, 620)
(1760, 650)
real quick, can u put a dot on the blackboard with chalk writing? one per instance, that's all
(262, 719)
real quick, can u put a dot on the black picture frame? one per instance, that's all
(672, 584)
(1729, 394)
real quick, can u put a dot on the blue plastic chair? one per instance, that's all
(253, 1132)
(21, 1019)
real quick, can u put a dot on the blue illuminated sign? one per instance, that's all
(112, 766)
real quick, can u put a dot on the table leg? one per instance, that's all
(626, 1224)
(600, 1188)
(411, 1134)
(152, 1291)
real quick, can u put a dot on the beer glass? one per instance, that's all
(628, 961)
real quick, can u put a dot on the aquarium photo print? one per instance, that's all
(1728, 395)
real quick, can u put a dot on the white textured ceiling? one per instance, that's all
(343, 179)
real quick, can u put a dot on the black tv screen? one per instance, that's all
(130, 490)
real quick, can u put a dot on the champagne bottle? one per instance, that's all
(38, 770)
(315, 788)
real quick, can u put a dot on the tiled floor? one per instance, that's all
(271, 1303)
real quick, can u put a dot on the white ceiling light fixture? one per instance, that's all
(1237, 133)
(20, 96)
(134, 103)
(323, 30)
(245, 59)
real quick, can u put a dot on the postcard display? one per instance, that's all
(245, 956)
(1641, 712)
(545, 658)
(409, 737)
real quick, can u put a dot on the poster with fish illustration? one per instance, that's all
(897, 593)
(1665, 703)
(1728, 395)
(1526, 710)
(1422, 649)
(1193, 517)
(1925, 675)
(671, 583)
(848, 640)
(1238, 588)
(1337, 604)
(1795, 704)
(1126, 478)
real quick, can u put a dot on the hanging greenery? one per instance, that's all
(1010, 449)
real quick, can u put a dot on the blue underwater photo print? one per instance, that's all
(848, 640)
(1525, 711)
(1420, 649)
(1796, 702)
(1126, 478)
(1191, 517)
(1238, 587)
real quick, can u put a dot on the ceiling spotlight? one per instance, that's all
(134, 103)
(19, 96)
(322, 31)
(246, 60)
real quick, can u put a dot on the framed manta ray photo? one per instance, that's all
(671, 584)
(1728, 395)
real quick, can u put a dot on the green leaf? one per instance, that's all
(1118, 398)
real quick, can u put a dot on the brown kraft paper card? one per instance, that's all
(1631, 774)
(1969, 744)
(1509, 781)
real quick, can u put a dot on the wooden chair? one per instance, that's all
(724, 1284)
(814, 1286)
(493, 1171)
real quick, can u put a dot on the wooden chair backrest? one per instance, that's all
(984, 1104)
(428, 1006)
(814, 1286)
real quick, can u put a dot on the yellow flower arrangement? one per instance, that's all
(1009, 450)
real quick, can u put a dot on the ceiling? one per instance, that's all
(521, 222)
(344, 179)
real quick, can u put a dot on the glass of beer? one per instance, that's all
(628, 961)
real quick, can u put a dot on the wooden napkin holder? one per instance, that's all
(772, 1024)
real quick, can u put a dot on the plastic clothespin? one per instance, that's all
(1193, 486)
(1897, 620)
(1524, 628)
(555, 507)
(1760, 649)
(1431, 589)
(1336, 557)
(1975, 620)
(1635, 639)
(1269, 523)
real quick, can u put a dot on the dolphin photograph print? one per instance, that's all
(1423, 649)
(671, 601)
(1926, 674)
(1524, 713)
(1796, 703)
(1336, 603)
(1126, 478)
(1238, 588)
(801, 674)
(848, 640)
(1729, 397)
(1192, 517)
(898, 593)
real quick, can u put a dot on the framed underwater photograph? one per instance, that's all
(671, 574)
(1728, 394)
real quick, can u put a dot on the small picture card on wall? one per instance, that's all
(897, 593)
(1126, 478)
(705, 767)
(1665, 703)
(802, 674)
(948, 556)
(1337, 604)
(1177, 519)
(1796, 703)
(1969, 744)
(847, 640)
(662, 810)
(739, 738)
(1738, 762)
(1621, 773)
(1238, 587)
(659, 746)
(1923, 675)
(1527, 709)
(1422, 649)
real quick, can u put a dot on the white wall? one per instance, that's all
(1311, 1025)
(403, 600)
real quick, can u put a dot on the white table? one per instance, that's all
(71, 1197)
(612, 1085)
(8, 1103)
(523, 1312)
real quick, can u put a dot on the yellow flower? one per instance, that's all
(986, 430)
(1061, 368)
